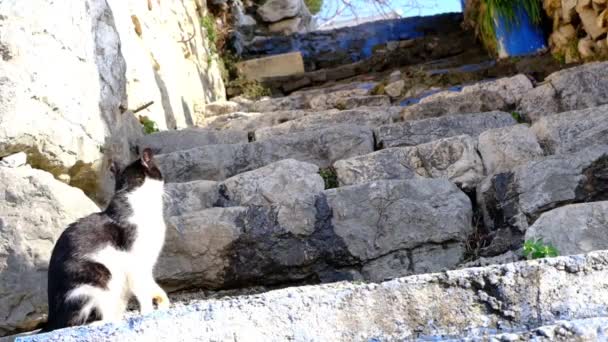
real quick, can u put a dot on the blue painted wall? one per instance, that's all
(351, 44)
(519, 38)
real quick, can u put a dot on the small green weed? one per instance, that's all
(149, 125)
(517, 117)
(329, 177)
(250, 89)
(208, 23)
(537, 249)
(314, 6)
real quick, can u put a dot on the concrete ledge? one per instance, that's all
(472, 303)
(273, 66)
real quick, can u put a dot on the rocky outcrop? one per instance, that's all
(68, 124)
(459, 103)
(476, 303)
(34, 209)
(73, 118)
(166, 49)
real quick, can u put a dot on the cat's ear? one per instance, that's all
(114, 167)
(146, 157)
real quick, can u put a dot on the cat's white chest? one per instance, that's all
(147, 215)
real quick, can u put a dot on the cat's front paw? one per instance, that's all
(162, 301)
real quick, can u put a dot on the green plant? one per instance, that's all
(227, 64)
(517, 117)
(314, 6)
(329, 177)
(250, 89)
(536, 249)
(149, 124)
(485, 13)
(208, 23)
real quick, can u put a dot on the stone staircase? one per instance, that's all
(339, 183)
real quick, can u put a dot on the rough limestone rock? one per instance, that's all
(197, 247)
(475, 303)
(165, 49)
(348, 99)
(460, 103)
(425, 259)
(573, 229)
(579, 87)
(287, 26)
(504, 148)
(184, 198)
(364, 116)
(331, 97)
(288, 186)
(34, 209)
(221, 107)
(395, 89)
(267, 237)
(171, 141)
(454, 158)
(14, 160)
(511, 89)
(218, 162)
(573, 131)
(381, 217)
(64, 116)
(412, 133)
(250, 122)
(275, 10)
(511, 201)
(265, 105)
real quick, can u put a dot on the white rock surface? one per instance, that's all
(475, 303)
(170, 62)
(34, 209)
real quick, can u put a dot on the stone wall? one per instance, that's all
(322, 49)
(71, 75)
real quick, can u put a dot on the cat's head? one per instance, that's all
(134, 175)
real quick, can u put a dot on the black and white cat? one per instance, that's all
(101, 260)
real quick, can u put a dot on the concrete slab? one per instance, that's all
(277, 65)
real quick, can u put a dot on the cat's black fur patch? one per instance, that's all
(69, 269)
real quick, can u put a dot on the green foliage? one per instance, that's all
(149, 124)
(314, 6)
(488, 10)
(250, 89)
(227, 64)
(517, 117)
(536, 249)
(378, 89)
(208, 23)
(329, 177)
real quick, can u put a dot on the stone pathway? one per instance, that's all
(338, 183)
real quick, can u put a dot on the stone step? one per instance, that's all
(580, 87)
(219, 234)
(250, 122)
(512, 200)
(573, 229)
(218, 162)
(184, 139)
(573, 131)
(474, 304)
(411, 133)
(462, 159)
(364, 116)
